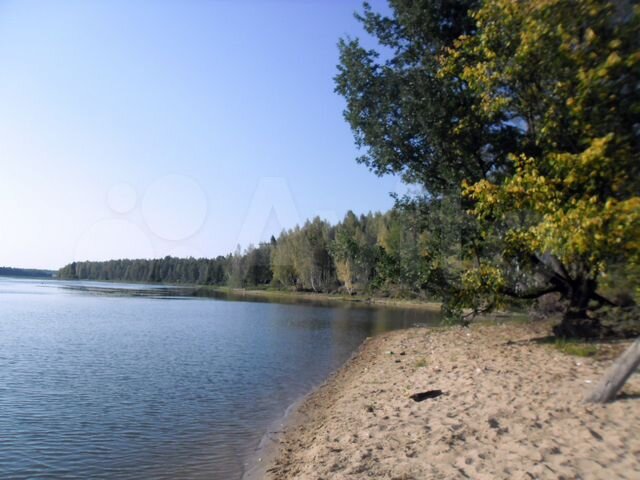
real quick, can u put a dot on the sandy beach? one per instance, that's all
(511, 408)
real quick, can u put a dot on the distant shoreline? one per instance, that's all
(358, 299)
(33, 273)
(290, 296)
(270, 294)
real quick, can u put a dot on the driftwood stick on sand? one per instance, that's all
(617, 375)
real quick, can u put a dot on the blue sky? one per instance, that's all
(147, 128)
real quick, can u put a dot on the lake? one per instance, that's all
(102, 380)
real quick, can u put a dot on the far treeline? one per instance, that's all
(25, 272)
(381, 253)
(520, 121)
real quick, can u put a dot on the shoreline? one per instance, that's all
(501, 415)
(319, 297)
(281, 296)
(261, 460)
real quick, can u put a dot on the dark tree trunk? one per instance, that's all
(577, 324)
(576, 321)
(577, 285)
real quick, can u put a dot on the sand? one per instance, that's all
(511, 409)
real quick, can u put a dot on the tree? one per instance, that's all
(236, 273)
(410, 119)
(282, 262)
(257, 268)
(526, 113)
(426, 127)
(567, 73)
(345, 252)
(312, 260)
(354, 253)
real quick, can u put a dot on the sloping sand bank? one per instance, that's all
(511, 409)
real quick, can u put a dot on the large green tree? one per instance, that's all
(568, 72)
(409, 119)
(354, 252)
(532, 106)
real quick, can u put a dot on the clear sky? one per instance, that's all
(147, 128)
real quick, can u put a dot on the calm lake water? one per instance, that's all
(128, 381)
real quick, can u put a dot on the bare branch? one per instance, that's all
(529, 294)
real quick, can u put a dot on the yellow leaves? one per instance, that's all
(519, 241)
(515, 189)
(485, 278)
(612, 62)
(615, 44)
(633, 60)
(570, 180)
(424, 245)
(596, 153)
(590, 228)
(486, 195)
(575, 220)
(534, 60)
(477, 190)
(588, 169)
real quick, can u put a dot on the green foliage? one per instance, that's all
(374, 254)
(25, 272)
(420, 363)
(529, 109)
(301, 257)
(411, 120)
(568, 73)
(168, 269)
(354, 251)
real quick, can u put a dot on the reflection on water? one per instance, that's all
(123, 381)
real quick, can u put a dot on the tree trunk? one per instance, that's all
(617, 375)
(576, 322)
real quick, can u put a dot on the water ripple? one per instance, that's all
(126, 386)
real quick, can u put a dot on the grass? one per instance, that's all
(576, 348)
(421, 363)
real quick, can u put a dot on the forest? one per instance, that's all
(25, 272)
(362, 254)
(519, 124)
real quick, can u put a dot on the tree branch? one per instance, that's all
(530, 294)
(558, 267)
(550, 272)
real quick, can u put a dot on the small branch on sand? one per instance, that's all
(419, 397)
